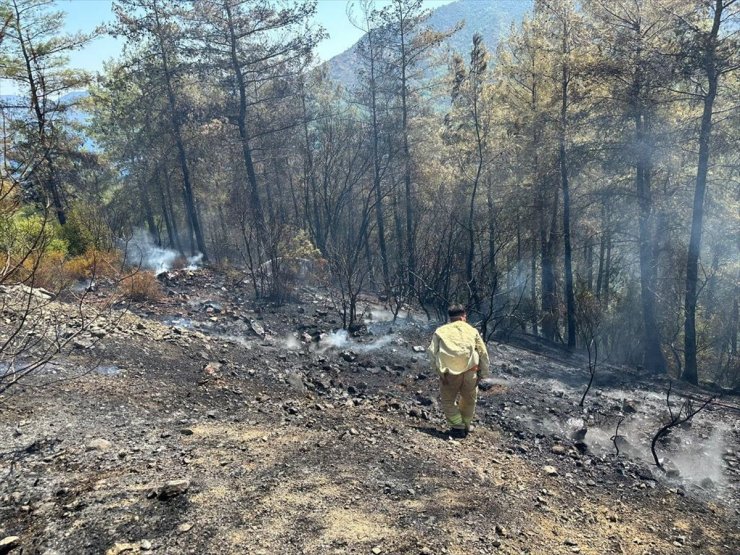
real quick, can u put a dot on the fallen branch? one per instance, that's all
(685, 413)
(616, 435)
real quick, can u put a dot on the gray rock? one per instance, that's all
(82, 344)
(9, 543)
(559, 449)
(550, 470)
(120, 548)
(173, 488)
(295, 381)
(257, 328)
(99, 444)
(184, 527)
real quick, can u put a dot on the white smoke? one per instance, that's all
(142, 251)
(341, 339)
(338, 339)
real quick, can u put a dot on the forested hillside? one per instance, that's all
(582, 184)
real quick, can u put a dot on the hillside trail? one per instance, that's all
(206, 424)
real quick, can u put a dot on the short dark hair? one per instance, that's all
(456, 310)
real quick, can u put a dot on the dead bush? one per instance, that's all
(42, 270)
(93, 263)
(141, 287)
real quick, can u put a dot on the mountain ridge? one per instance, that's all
(490, 18)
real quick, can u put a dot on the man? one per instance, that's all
(459, 355)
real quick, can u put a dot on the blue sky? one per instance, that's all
(85, 15)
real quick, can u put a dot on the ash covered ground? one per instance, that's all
(207, 423)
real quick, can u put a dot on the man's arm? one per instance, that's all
(480, 346)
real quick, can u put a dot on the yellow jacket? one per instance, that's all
(458, 347)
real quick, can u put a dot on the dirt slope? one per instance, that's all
(282, 447)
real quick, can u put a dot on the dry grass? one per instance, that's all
(141, 287)
(94, 263)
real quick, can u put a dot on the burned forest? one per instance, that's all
(234, 233)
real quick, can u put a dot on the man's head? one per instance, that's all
(456, 312)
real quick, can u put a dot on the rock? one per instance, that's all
(82, 344)
(186, 431)
(580, 434)
(184, 527)
(8, 544)
(377, 550)
(257, 328)
(212, 306)
(173, 488)
(99, 444)
(629, 406)
(120, 548)
(145, 545)
(559, 449)
(418, 349)
(485, 384)
(424, 401)
(295, 381)
(550, 470)
(212, 368)
(349, 356)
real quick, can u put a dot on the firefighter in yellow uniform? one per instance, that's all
(459, 355)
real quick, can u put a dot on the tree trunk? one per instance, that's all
(549, 281)
(408, 185)
(690, 373)
(653, 355)
(253, 192)
(533, 286)
(148, 214)
(189, 196)
(570, 303)
(50, 182)
(171, 208)
(380, 218)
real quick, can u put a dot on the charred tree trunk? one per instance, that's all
(408, 185)
(549, 282)
(690, 373)
(149, 214)
(170, 207)
(189, 196)
(377, 176)
(653, 354)
(570, 303)
(241, 119)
